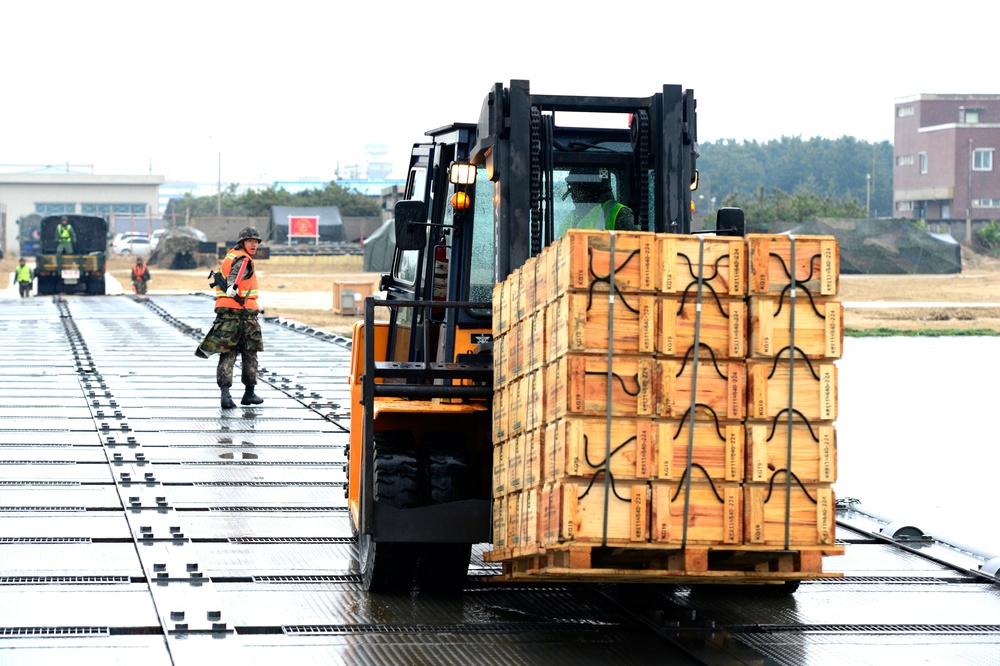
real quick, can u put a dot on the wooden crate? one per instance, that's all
(818, 329)
(501, 362)
(516, 402)
(811, 520)
(721, 387)
(723, 268)
(524, 461)
(813, 447)
(517, 303)
(500, 312)
(578, 384)
(500, 526)
(526, 293)
(501, 415)
(722, 326)
(576, 512)
(717, 447)
(772, 388)
(499, 470)
(817, 263)
(523, 519)
(578, 321)
(714, 513)
(363, 287)
(515, 352)
(583, 262)
(536, 350)
(576, 446)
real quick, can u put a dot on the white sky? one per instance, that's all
(286, 90)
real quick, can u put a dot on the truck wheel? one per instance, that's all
(388, 566)
(445, 566)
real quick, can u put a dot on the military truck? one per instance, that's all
(81, 272)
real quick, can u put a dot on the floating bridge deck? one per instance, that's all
(140, 523)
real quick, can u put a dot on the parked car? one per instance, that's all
(154, 238)
(131, 244)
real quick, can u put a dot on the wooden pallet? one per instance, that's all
(736, 564)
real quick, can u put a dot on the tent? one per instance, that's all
(379, 248)
(887, 247)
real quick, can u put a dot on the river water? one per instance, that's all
(915, 436)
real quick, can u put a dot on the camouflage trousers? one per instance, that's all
(235, 332)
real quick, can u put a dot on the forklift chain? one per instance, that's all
(536, 181)
(643, 172)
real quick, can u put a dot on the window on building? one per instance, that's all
(923, 162)
(55, 208)
(972, 116)
(903, 111)
(116, 208)
(982, 159)
(904, 205)
(904, 160)
(986, 203)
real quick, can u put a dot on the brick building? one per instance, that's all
(944, 162)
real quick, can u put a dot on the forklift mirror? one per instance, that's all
(411, 216)
(730, 222)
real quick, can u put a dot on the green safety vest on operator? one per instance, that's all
(65, 233)
(600, 216)
(22, 273)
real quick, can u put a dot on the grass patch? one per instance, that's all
(883, 332)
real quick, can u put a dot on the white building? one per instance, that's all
(57, 192)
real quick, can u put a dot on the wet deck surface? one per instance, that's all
(139, 523)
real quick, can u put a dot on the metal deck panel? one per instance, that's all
(65, 648)
(58, 497)
(302, 558)
(226, 440)
(263, 525)
(69, 559)
(55, 605)
(65, 438)
(89, 525)
(875, 648)
(20, 454)
(28, 424)
(252, 496)
(26, 471)
(159, 456)
(250, 473)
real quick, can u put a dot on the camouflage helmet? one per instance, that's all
(248, 233)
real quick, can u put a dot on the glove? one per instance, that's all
(232, 291)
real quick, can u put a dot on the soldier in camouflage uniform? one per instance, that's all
(236, 329)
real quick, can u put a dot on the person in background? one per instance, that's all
(140, 276)
(23, 277)
(236, 329)
(65, 237)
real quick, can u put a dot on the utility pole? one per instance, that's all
(868, 195)
(218, 198)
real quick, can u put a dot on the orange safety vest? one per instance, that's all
(247, 287)
(137, 273)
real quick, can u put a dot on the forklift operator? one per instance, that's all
(594, 202)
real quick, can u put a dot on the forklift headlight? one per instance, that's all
(462, 173)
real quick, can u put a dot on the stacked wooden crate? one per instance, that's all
(628, 368)
(796, 335)
(701, 349)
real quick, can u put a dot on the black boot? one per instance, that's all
(251, 398)
(227, 400)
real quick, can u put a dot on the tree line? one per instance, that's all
(792, 180)
(257, 203)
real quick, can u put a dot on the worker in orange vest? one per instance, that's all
(140, 276)
(236, 329)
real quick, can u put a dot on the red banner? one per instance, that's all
(303, 226)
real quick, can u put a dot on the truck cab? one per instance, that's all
(79, 272)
